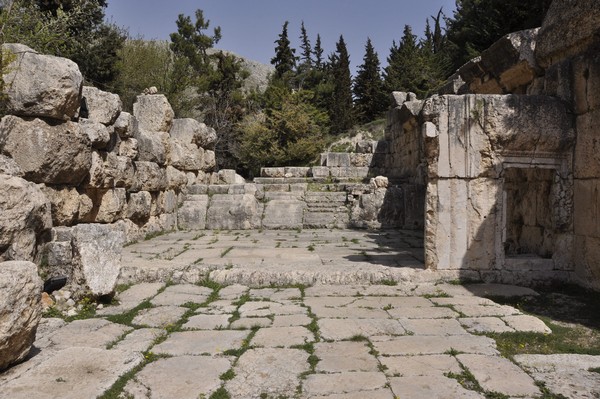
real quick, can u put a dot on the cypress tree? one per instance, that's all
(341, 111)
(404, 70)
(284, 60)
(369, 96)
(306, 56)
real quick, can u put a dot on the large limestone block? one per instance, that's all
(149, 177)
(98, 134)
(176, 179)
(138, 207)
(46, 153)
(284, 214)
(41, 85)
(192, 214)
(511, 60)
(569, 28)
(102, 107)
(65, 203)
(185, 156)
(124, 125)
(9, 167)
(234, 212)
(128, 148)
(24, 215)
(98, 249)
(111, 205)
(190, 131)
(152, 146)
(20, 310)
(210, 161)
(153, 113)
(110, 170)
(474, 130)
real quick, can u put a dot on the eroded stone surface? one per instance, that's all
(269, 371)
(200, 342)
(430, 387)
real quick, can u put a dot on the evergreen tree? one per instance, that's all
(284, 60)
(306, 56)
(404, 70)
(318, 52)
(369, 96)
(341, 111)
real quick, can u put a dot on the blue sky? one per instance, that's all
(250, 27)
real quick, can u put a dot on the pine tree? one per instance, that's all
(318, 52)
(306, 57)
(404, 70)
(341, 111)
(284, 60)
(370, 98)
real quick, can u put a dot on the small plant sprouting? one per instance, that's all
(226, 251)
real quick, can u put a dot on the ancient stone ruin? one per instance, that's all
(499, 171)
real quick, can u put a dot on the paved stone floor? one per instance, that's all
(205, 340)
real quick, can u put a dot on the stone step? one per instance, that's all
(319, 196)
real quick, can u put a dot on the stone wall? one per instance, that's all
(79, 177)
(509, 154)
(568, 49)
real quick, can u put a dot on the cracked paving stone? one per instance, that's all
(350, 313)
(264, 308)
(434, 327)
(340, 329)
(376, 394)
(72, 373)
(274, 294)
(484, 310)
(210, 342)
(90, 333)
(251, 322)
(527, 323)
(425, 345)
(336, 383)
(182, 377)
(233, 292)
(131, 297)
(485, 325)
(422, 313)
(140, 340)
(269, 371)
(344, 356)
(160, 316)
(282, 337)
(207, 322)
(291, 320)
(497, 374)
(177, 295)
(407, 366)
(431, 386)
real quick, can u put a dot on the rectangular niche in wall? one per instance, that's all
(528, 212)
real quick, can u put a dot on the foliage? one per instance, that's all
(143, 64)
(370, 99)
(291, 133)
(68, 28)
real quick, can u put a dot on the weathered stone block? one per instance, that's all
(152, 146)
(111, 205)
(234, 212)
(190, 131)
(192, 214)
(153, 113)
(338, 159)
(149, 177)
(20, 310)
(176, 179)
(65, 203)
(98, 133)
(138, 206)
(129, 148)
(185, 156)
(24, 215)
(41, 85)
(283, 214)
(124, 125)
(102, 107)
(98, 251)
(110, 170)
(210, 161)
(46, 153)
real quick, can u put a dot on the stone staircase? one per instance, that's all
(331, 195)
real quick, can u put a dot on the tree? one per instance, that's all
(73, 29)
(404, 70)
(284, 60)
(318, 52)
(341, 111)
(143, 64)
(306, 56)
(477, 24)
(369, 97)
(290, 134)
